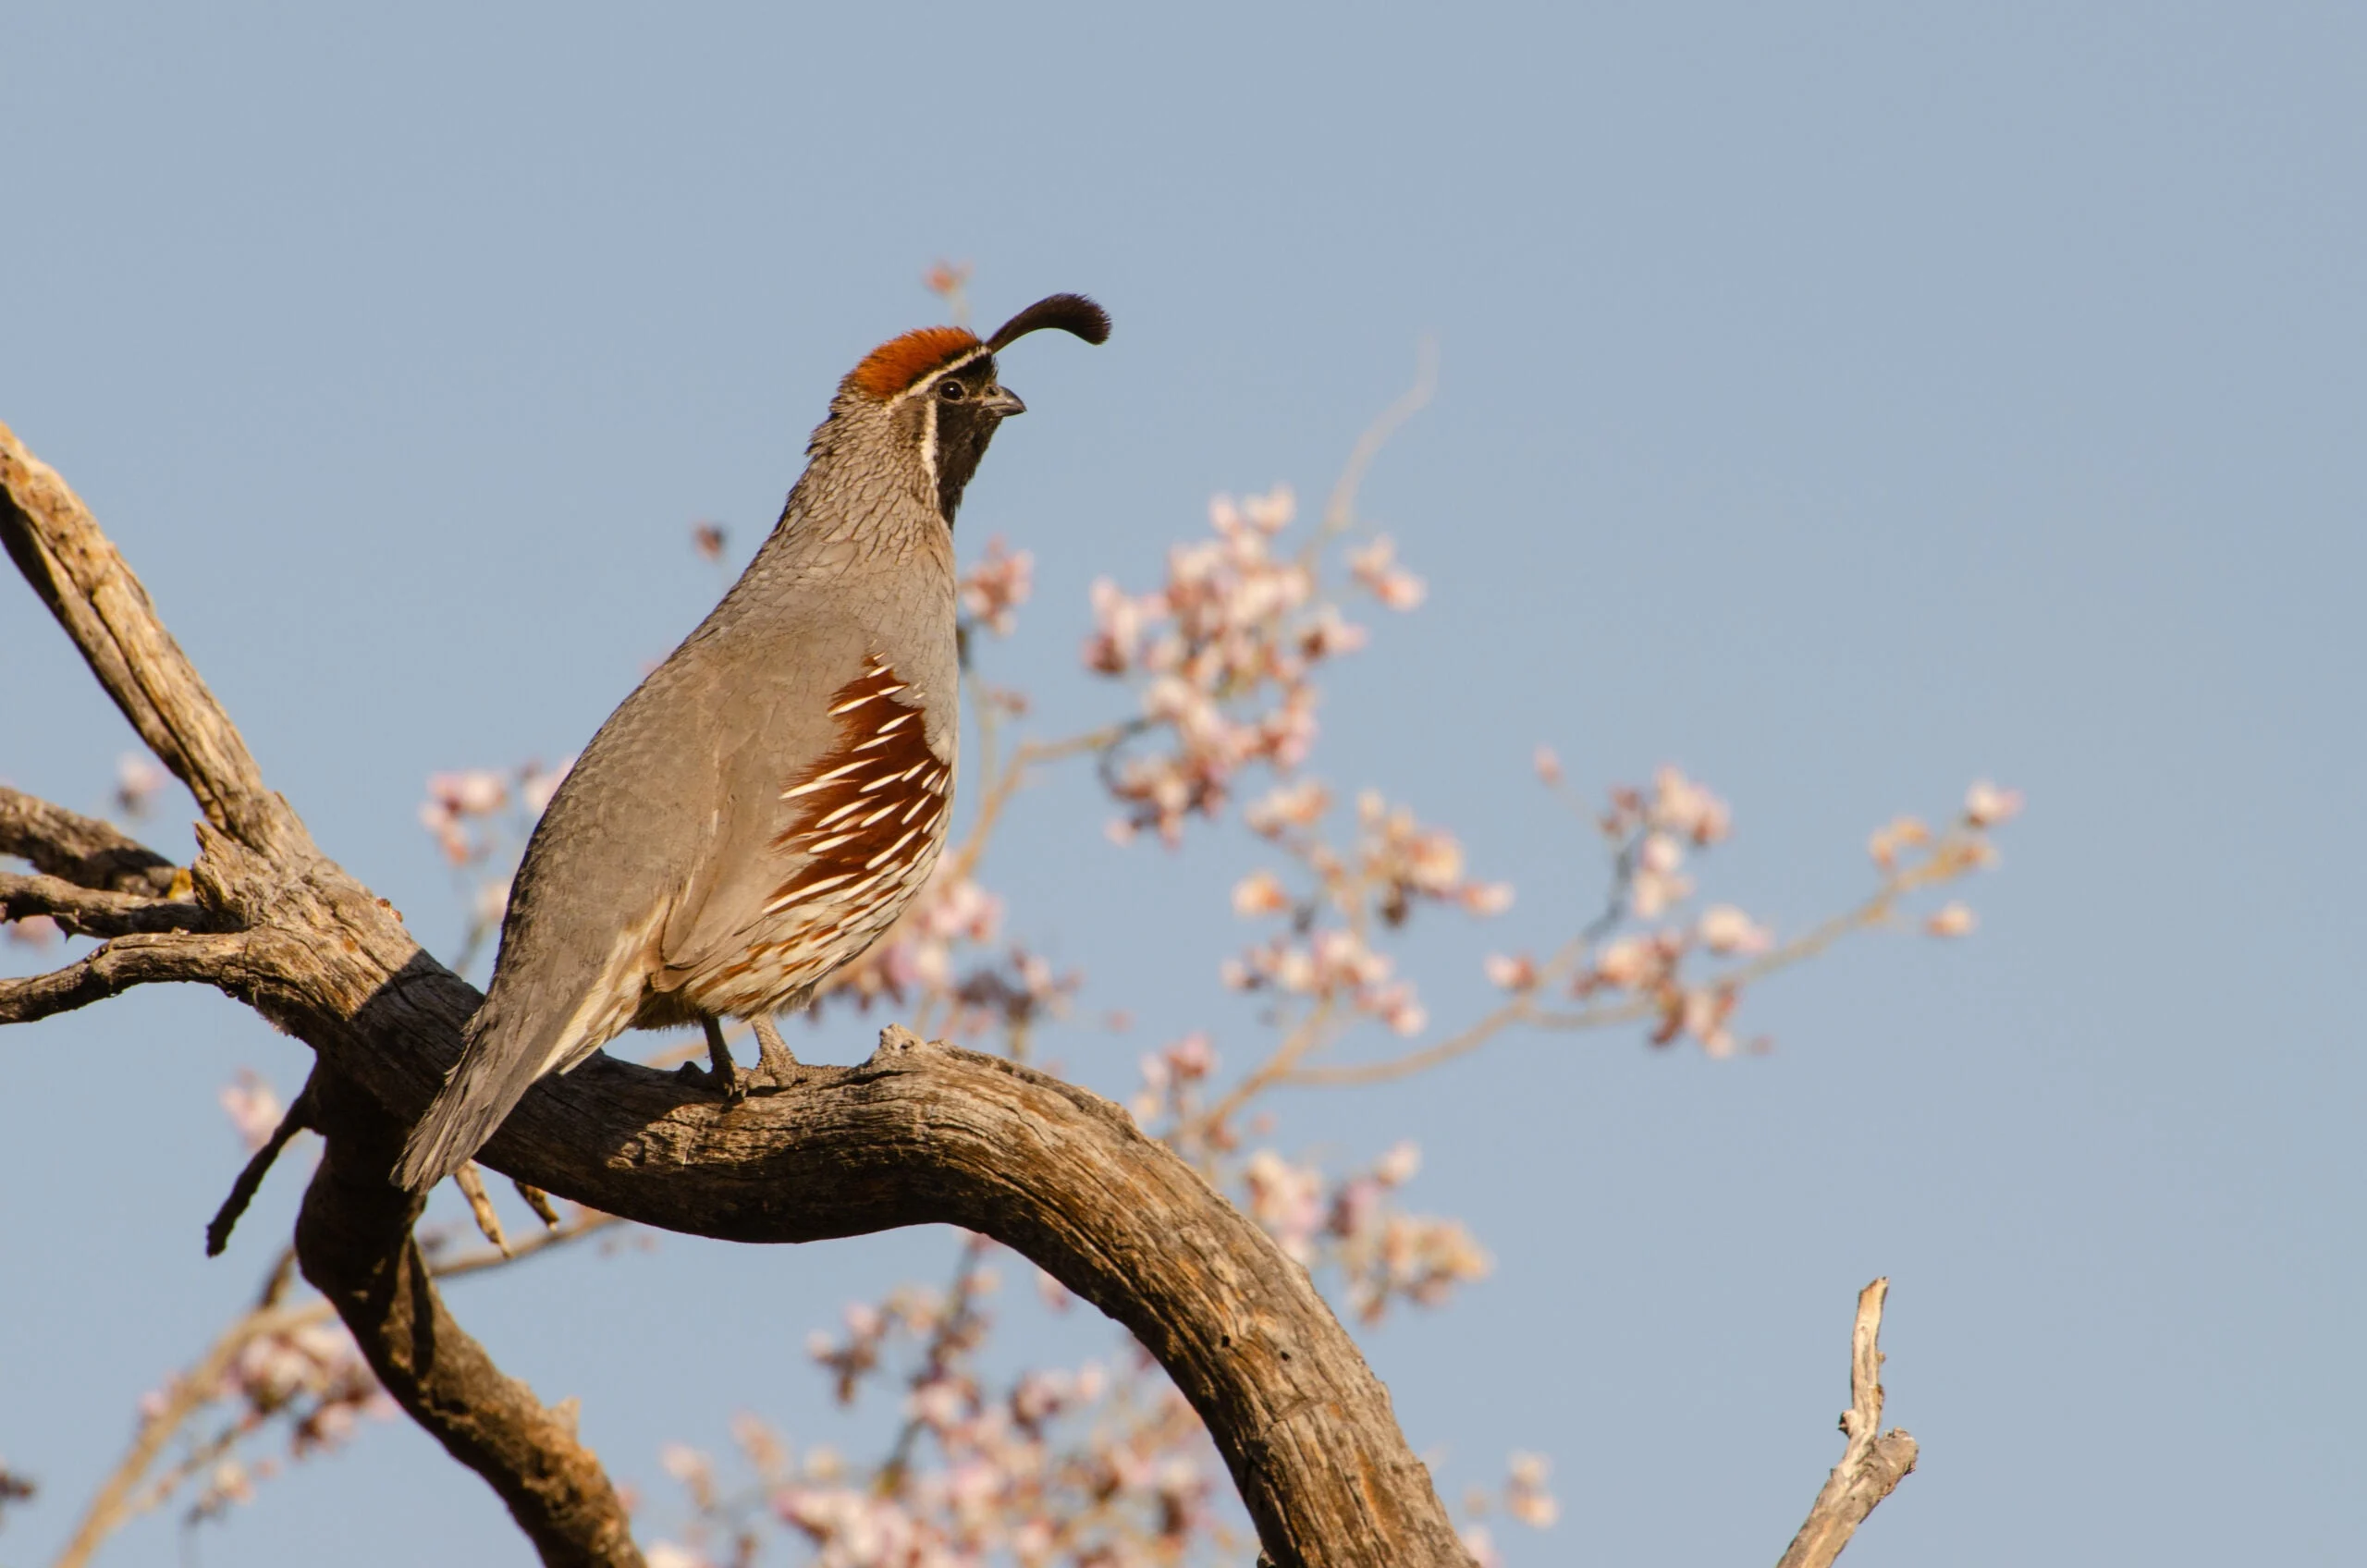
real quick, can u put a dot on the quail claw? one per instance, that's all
(722, 1071)
(778, 1069)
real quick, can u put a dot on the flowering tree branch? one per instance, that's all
(916, 1134)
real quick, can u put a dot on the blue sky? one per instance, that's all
(1842, 402)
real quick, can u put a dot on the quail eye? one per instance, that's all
(952, 391)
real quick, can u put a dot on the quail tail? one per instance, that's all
(475, 1101)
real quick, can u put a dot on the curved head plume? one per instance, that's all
(902, 363)
(1070, 312)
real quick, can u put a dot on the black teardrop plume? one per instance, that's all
(1070, 312)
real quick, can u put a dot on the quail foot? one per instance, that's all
(768, 802)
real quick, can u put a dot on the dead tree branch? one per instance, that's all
(78, 849)
(86, 912)
(353, 1240)
(1872, 1463)
(916, 1134)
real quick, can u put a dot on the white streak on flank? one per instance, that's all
(879, 783)
(806, 890)
(855, 804)
(918, 802)
(853, 703)
(895, 721)
(875, 740)
(874, 816)
(831, 843)
(808, 787)
(891, 848)
(910, 771)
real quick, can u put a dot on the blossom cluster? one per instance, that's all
(1393, 862)
(1381, 1253)
(1632, 962)
(1225, 655)
(468, 813)
(994, 588)
(306, 1374)
(1083, 1467)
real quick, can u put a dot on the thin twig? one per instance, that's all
(85, 850)
(183, 1398)
(243, 1190)
(114, 1505)
(1875, 911)
(471, 1180)
(1340, 511)
(124, 962)
(1872, 1463)
(88, 911)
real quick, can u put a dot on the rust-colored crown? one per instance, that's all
(899, 362)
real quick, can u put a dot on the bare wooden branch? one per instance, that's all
(242, 1191)
(81, 850)
(86, 912)
(353, 1241)
(471, 1180)
(71, 565)
(121, 964)
(916, 1134)
(1874, 1461)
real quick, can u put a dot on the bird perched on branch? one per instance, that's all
(765, 804)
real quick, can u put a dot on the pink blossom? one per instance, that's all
(1725, 929)
(1375, 567)
(1548, 766)
(1487, 898)
(1952, 920)
(254, 1108)
(139, 777)
(537, 784)
(993, 589)
(1299, 804)
(35, 931)
(1259, 893)
(1629, 964)
(1900, 833)
(1513, 973)
(1685, 807)
(1986, 805)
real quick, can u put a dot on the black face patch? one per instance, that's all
(964, 428)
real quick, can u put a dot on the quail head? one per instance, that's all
(770, 799)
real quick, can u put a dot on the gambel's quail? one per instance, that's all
(770, 799)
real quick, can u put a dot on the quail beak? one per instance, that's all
(1002, 402)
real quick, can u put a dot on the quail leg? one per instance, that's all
(725, 1076)
(778, 1069)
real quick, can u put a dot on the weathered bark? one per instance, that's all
(353, 1241)
(1872, 1463)
(78, 849)
(916, 1134)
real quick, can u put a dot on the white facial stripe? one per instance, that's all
(928, 439)
(969, 356)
